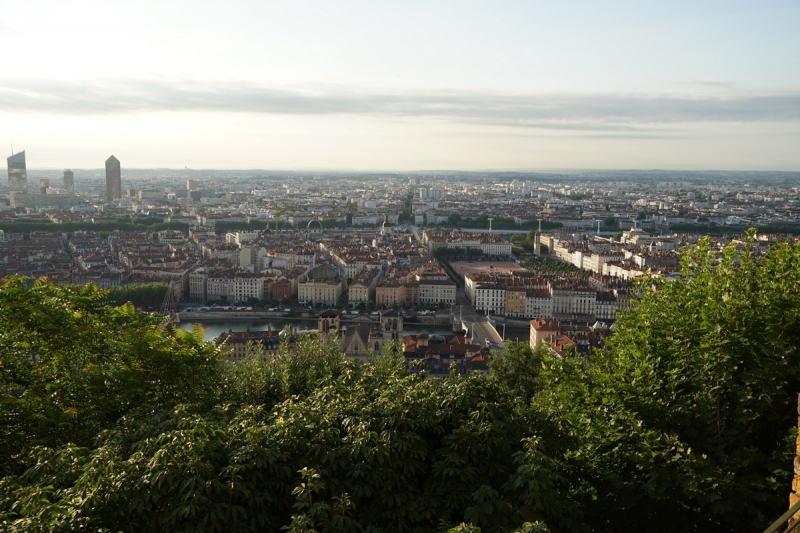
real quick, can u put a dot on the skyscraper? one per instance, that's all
(113, 179)
(44, 184)
(17, 173)
(69, 181)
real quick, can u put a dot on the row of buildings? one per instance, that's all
(524, 294)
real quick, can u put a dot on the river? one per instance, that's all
(214, 327)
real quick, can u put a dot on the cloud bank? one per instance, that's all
(565, 111)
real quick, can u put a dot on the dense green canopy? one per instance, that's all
(686, 422)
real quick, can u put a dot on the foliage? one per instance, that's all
(726, 229)
(546, 225)
(123, 224)
(316, 444)
(223, 227)
(522, 241)
(547, 265)
(518, 369)
(333, 223)
(408, 214)
(141, 295)
(686, 421)
(443, 253)
(498, 223)
(71, 366)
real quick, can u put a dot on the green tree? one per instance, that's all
(141, 294)
(517, 368)
(686, 421)
(71, 366)
(310, 441)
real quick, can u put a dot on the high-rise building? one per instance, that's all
(17, 173)
(44, 184)
(69, 181)
(113, 179)
(191, 184)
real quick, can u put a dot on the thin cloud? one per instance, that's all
(607, 112)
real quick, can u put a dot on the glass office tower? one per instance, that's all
(17, 173)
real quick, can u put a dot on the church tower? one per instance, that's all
(392, 325)
(328, 323)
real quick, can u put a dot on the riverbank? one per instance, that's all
(206, 316)
(212, 328)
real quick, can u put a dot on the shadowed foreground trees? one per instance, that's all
(71, 365)
(684, 423)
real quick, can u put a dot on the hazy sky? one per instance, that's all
(402, 85)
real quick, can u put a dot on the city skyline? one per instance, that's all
(406, 86)
(113, 179)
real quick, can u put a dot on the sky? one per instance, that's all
(402, 85)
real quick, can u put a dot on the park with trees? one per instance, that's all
(686, 421)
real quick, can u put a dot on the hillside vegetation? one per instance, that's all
(685, 422)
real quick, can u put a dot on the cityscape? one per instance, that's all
(551, 256)
(400, 267)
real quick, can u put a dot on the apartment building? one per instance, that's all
(388, 293)
(363, 288)
(247, 285)
(220, 285)
(437, 291)
(198, 279)
(324, 291)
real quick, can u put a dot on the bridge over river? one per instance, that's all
(479, 328)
